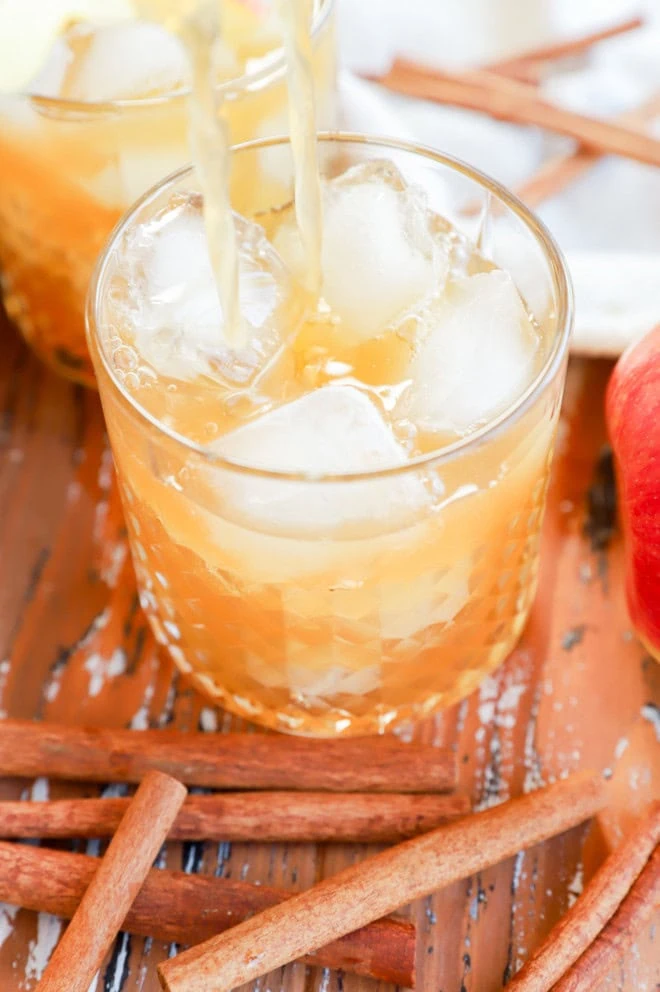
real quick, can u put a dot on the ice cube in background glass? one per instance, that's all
(334, 430)
(29, 29)
(98, 61)
(380, 259)
(118, 61)
(49, 79)
(477, 358)
(176, 317)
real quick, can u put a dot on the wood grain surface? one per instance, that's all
(577, 692)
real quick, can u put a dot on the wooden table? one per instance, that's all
(578, 692)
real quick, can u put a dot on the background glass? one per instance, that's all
(68, 170)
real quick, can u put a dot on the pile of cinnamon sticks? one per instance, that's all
(266, 788)
(241, 931)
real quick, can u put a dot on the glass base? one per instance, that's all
(338, 722)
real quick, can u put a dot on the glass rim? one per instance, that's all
(560, 279)
(264, 76)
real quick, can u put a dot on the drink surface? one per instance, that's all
(413, 323)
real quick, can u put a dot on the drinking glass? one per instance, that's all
(296, 618)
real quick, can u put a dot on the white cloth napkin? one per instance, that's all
(607, 223)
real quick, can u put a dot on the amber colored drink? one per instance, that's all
(83, 142)
(336, 527)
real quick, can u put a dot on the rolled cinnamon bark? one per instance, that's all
(379, 885)
(507, 99)
(224, 761)
(186, 909)
(356, 817)
(601, 898)
(111, 892)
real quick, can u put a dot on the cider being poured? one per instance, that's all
(198, 24)
(335, 522)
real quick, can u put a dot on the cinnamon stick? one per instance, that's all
(634, 913)
(379, 885)
(555, 175)
(224, 761)
(186, 909)
(249, 816)
(107, 900)
(529, 65)
(599, 901)
(559, 172)
(507, 99)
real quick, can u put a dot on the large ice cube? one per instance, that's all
(117, 61)
(176, 316)
(335, 430)
(477, 358)
(380, 260)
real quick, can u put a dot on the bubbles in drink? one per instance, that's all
(175, 316)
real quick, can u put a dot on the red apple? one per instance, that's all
(633, 419)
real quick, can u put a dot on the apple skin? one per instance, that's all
(632, 408)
